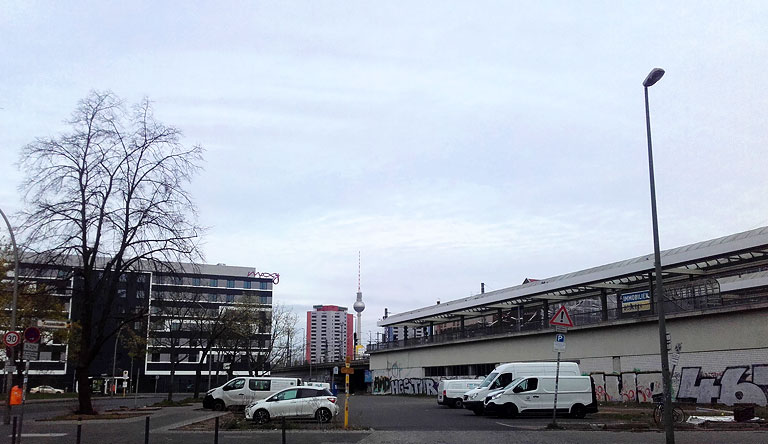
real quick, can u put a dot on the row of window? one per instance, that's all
(213, 282)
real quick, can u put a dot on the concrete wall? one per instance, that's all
(723, 358)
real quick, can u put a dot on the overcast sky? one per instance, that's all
(451, 143)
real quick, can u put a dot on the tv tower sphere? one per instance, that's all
(359, 305)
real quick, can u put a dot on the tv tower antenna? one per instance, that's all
(359, 306)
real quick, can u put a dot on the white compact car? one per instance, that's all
(46, 389)
(309, 402)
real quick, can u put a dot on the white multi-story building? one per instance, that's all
(329, 334)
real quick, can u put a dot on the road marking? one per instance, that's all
(519, 427)
(41, 435)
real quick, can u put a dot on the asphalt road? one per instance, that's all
(376, 420)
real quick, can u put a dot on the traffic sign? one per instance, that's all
(561, 317)
(31, 334)
(559, 337)
(348, 370)
(47, 323)
(30, 351)
(12, 338)
(559, 346)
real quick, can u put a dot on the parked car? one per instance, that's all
(45, 389)
(450, 391)
(296, 402)
(239, 392)
(504, 374)
(536, 394)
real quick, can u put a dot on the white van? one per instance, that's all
(450, 392)
(536, 394)
(244, 390)
(505, 373)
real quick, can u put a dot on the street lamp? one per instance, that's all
(9, 375)
(654, 76)
(114, 359)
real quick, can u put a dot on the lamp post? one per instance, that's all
(654, 76)
(9, 375)
(114, 359)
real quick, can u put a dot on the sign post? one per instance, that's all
(561, 321)
(346, 392)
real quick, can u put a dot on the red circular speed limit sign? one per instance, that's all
(12, 338)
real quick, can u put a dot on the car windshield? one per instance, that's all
(489, 379)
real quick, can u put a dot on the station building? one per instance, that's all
(716, 305)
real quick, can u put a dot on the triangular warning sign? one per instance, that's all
(561, 317)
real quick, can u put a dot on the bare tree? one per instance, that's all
(260, 338)
(212, 324)
(103, 198)
(173, 328)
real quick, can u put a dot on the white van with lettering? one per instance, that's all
(536, 394)
(504, 374)
(450, 392)
(239, 392)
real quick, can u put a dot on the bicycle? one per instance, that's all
(678, 415)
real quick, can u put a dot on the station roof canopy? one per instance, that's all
(734, 252)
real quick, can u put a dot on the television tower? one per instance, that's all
(359, 306)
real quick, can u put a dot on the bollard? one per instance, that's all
(283, 429)
(216, 432)
(13, 433)
(79, 430)
(146, 431)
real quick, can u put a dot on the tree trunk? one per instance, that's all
(198, 377)
(170, 385)
(84, 391)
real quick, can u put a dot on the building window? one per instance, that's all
(264, 285)
(213, 283)
(247, 284)
(155, 357)
(121, 292)
(212, 297)
(142, 278)
(196, 281)
(230, 298)
(141, 294)
(123, 278)
(230, 284)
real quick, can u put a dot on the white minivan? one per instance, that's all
(536, 394)
(242, 391)
(505, 373)
(450, 392)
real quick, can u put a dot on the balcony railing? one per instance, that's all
(672, 305)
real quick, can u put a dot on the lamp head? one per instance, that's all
(654, 76)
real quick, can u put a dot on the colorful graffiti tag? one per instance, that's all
(735, 385)
(406, 386)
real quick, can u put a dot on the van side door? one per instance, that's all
(527, 395)
(234, 392)
(259, 389)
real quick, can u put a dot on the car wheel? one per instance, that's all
(458, 403)
(219, 405)
(261, 416)
(578, 411)
(323, 415)
(510, 410)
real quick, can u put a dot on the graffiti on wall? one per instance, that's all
(735, 385)
(383, 385)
